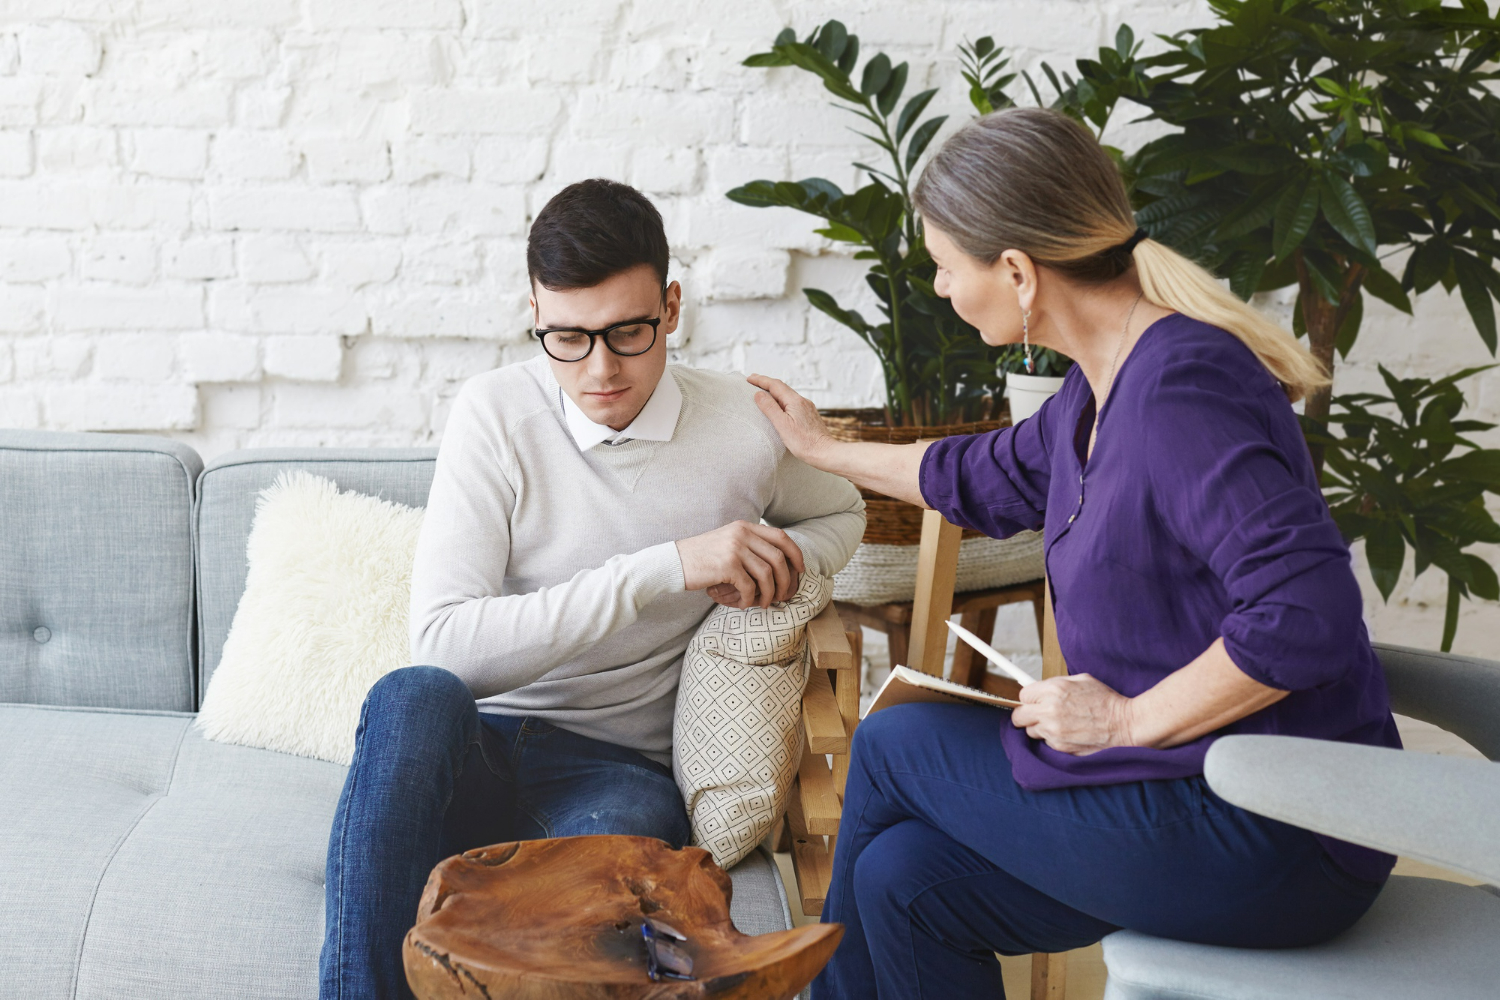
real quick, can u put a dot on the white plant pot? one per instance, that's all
(1027, 393)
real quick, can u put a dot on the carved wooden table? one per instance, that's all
(561, 920)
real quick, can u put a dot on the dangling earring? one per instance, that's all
(1026, 342)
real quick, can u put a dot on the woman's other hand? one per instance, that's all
(1075, 714)
(794, 416)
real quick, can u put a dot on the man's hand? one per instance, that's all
(1075, 714)
(742, 564)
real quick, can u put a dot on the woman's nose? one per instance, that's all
(940, 284)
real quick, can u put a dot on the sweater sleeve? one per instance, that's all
(823, 513)
(995, 482)
(461, 619)
(1230, 492)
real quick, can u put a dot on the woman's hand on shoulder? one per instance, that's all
(794, 416)
(1076, 714)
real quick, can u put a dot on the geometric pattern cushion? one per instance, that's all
(737, 738)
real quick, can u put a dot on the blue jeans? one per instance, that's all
(943, 859)
(433, 777)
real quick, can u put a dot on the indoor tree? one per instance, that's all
(1312, 142)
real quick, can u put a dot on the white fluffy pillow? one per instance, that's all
(323, 617)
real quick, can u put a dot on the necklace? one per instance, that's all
(1110, 381)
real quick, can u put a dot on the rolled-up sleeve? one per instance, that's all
(995, 482)
(1226, 490)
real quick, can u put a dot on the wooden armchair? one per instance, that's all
(830, 713)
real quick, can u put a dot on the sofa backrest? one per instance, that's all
(227, 492)
(96, 570)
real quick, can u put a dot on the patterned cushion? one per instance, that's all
(737, 740)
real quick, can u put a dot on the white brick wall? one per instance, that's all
(303, 221)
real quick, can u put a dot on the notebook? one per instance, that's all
(907, 685)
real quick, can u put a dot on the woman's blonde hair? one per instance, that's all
(1034, 180)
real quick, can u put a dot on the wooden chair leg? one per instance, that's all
(1049, 976)
(1049, 973)
(1038, 607)
(899, 639)
(968, 666)
(937, 571)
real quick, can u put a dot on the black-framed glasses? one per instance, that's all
(627, 339)
(664, 960)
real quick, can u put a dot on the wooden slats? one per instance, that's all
(830, 644)
(846, 692)
(820, 716)
(819, 801)
(811, 861)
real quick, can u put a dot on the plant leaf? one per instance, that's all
(1349, 329)
(911, 111)
(1383, 285)
(877, 74)
(1345, 210)
(1294, 217)
(832, 39)
(891, 92)
(920, 138)
(1386, 552)
(1476, 296)
(1483, 581)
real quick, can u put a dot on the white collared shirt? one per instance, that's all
(656, 421)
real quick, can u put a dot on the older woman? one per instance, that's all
(1199, 583)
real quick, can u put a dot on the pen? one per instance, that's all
(993, 655)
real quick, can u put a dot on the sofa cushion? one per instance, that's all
(226, 509)
(139, 861)
(96, 570)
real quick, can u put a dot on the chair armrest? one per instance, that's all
(830, 646)
(1458, 693)
(1443, 810)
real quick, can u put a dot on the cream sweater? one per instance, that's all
(548, 578)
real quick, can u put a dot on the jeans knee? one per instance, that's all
(426, 697)
(425, 684)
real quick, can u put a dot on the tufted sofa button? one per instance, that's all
(42, 633)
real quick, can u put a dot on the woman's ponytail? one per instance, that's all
(1171, 281)
(1034, 180)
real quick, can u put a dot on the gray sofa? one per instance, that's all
(137, 859)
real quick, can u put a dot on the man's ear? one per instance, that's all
(671, 309)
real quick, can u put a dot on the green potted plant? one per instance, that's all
(1313, 140)
(940, 378)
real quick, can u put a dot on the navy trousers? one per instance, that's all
(433, 777)
(943, 860)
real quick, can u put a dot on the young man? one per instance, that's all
(587, 509)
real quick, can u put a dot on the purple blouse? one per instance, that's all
(1198, 516)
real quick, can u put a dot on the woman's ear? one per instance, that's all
(1018, 271)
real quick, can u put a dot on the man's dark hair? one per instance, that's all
(592, 230)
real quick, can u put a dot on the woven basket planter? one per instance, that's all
(884, 568)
